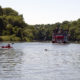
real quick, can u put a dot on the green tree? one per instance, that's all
(10, 11)
(1, 11)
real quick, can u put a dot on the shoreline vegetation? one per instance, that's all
(13, 28)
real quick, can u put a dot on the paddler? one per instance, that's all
(9, 46)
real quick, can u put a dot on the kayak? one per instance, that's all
(6, 47)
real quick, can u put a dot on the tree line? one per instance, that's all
(14, 28)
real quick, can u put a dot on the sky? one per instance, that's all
(45, 11)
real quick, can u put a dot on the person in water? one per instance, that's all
(9, 45)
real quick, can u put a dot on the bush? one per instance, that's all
(5, 38)
(14, 38)
(27, 39)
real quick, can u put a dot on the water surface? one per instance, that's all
(40, 61)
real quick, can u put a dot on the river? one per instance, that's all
(40, 61)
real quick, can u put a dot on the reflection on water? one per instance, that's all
(10, 63)
(40, 61)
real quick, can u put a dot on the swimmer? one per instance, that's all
(46, 49)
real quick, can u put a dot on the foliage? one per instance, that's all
(14, 28)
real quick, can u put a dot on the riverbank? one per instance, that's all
(18, 39)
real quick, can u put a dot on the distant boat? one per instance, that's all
(59, 35)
